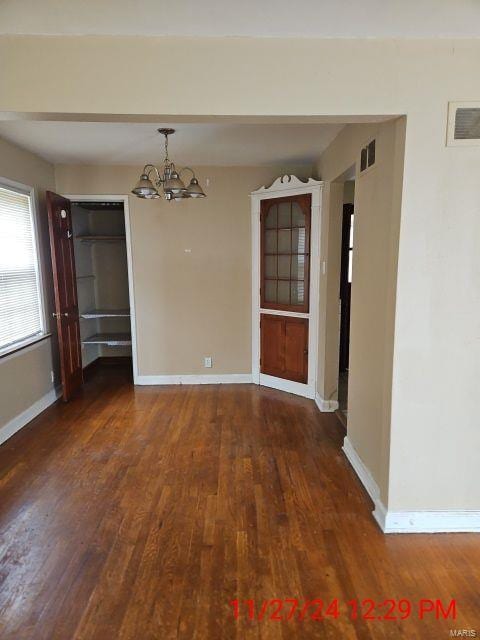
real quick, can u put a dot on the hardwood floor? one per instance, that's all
(140, 514)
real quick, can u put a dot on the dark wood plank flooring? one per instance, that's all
(141, 513)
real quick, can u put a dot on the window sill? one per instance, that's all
(19, 346)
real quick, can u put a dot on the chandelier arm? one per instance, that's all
(148, 168)
(187, 169)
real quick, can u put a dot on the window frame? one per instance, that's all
(18, 345)
(302, 200)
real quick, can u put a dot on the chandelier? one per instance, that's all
(167, 180)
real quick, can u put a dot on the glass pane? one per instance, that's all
(298, 217)
(298, 267)
(270, 266)
(270, 290)
(352, 218)
(298, 292)
(284, 241)
(271, 220)
(283, 292)
(284, 267)
(299, 240)
(270, 242)
(284, 220)
(350, 264)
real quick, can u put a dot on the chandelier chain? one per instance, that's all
(166, 148)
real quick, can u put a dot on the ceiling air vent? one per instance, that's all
(463, 123)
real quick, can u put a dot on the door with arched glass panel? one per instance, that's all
(285, 270)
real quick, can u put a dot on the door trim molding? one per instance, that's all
(128, 239)
(279, 188)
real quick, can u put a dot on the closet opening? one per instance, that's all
(102, 282)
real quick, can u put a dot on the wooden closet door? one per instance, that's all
(284, 347)
(272, 339)
(296, 349)
(65, 286)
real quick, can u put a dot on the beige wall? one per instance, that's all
(377, 215)
(191, 267)
(434, 417)
(25, 376)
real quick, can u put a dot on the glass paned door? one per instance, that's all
(285, 250)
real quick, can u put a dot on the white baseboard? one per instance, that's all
(325, 405)
(289, 386)
(15, 424)
(447, 521)
(361, 470)
(228, 378)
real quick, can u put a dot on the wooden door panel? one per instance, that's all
(272, 345)
(296, 349)
(284, 347)
(65, 287)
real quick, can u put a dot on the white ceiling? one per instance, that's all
(262, 18)
(198, 144)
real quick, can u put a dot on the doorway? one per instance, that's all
(90, 243)
(348, 221)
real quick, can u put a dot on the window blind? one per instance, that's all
(21, 315)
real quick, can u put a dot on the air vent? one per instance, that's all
(463, 123)
(367, 156)
(467, 124)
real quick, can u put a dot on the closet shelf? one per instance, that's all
(110, 339)
(106, 313)
(100, 238)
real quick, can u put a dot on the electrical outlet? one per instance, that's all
(207, 362)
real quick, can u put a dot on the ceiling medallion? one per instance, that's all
(168, 180)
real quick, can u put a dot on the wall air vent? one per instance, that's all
(367, 156)
(463, 123)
